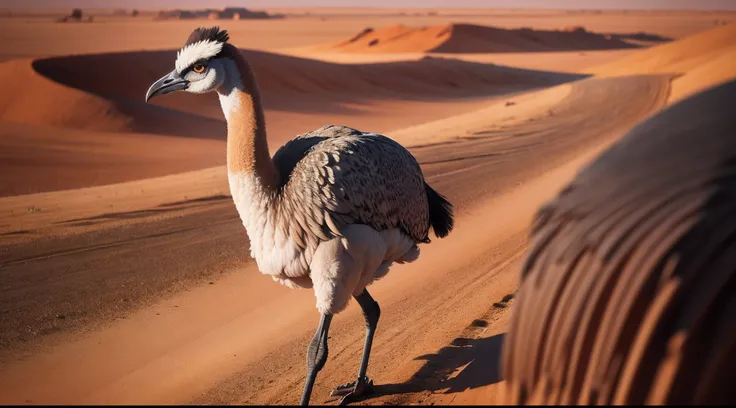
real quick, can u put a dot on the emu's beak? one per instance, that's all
(170, 83)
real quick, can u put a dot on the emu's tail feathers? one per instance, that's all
(440, 212)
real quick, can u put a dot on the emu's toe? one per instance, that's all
(353, 390)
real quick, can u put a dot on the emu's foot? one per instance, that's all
(353, 390)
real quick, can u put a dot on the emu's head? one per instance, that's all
(204, 64)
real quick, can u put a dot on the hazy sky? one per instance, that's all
(564, 4)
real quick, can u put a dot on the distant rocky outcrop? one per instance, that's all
(228, 13)
(77, 16)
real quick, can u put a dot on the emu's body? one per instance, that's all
(628, 292)
(333, 208)
(345, 199)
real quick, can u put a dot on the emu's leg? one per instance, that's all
(363, 384)
(316, 356)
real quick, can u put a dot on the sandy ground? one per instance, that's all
(476, 39)
(142, 291)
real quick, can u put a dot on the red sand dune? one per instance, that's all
(88, 91)
(704, 59)
(32, 98)
(468, 38)
(292, 83)
(101, 98)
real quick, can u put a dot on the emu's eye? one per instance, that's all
(198, 68)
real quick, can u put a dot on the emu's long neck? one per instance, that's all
(247, 147)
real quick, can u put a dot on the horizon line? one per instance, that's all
(27, 6)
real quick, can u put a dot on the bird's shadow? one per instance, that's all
(478, 362)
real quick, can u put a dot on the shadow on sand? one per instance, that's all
(465, 364)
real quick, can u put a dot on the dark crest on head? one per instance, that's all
(208, 34)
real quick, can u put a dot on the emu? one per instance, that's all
(333, 208)
(628, 290)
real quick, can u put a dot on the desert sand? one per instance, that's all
(125, 269)
(298, 93)
(701, 60)
(470, 38)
